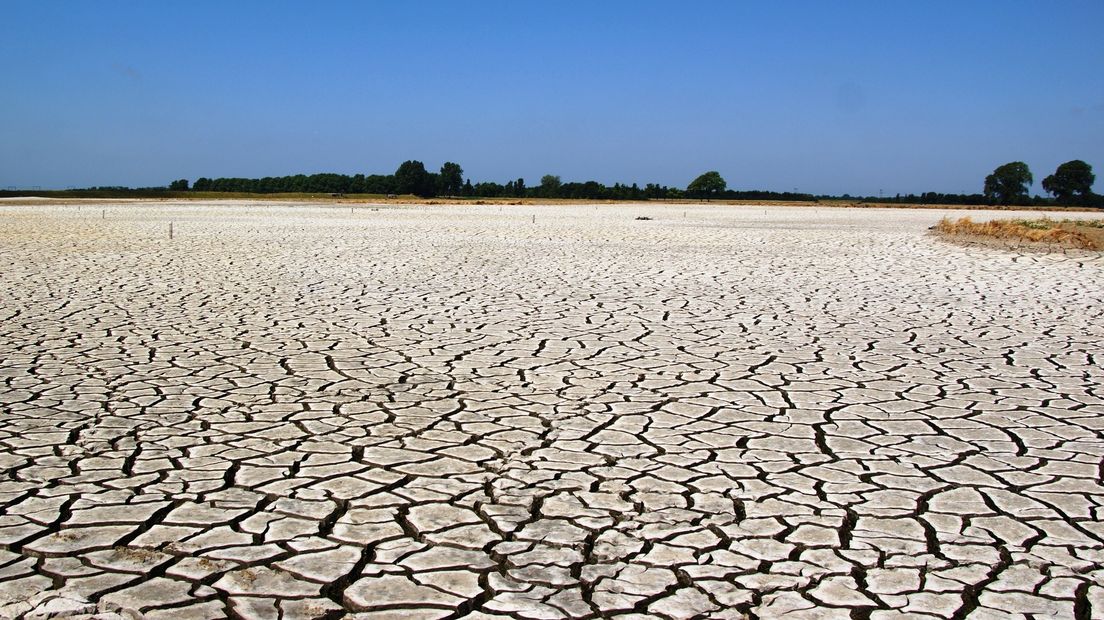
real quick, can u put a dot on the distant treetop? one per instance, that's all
(1008, 184)
(1071, 183)
(708, 185)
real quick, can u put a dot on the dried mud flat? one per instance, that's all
(442, 411)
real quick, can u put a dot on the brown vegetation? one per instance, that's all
(1079, 234)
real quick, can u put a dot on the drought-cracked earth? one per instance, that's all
(294, 411)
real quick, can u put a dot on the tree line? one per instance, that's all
(1071, 184)
(413, 178)
(1008, 185)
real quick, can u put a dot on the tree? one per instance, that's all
(379, 184)
(451, 179)
(550, 186)
(707, 185)
(489, 189)
(1073, 179)
(1009, 183)
(412, 178)
(179, 185)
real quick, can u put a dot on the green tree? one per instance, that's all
(1072, 180)
(412, 178)
(707, 185)
(1008, 184)
(379, 184)
(180, 185)
(451, 179)
(550, 186)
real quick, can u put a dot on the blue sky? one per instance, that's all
(825, 97)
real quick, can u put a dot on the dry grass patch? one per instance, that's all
(1079, 234)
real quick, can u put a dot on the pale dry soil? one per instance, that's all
(305, 411)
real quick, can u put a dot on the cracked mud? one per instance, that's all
(434, 412)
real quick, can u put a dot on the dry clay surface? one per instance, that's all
(306, 411)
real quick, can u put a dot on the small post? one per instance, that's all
(170, 230)
(104, 214)
(534, 218)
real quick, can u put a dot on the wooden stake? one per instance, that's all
(170, 230)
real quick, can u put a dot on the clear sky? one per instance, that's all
(825, 97)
